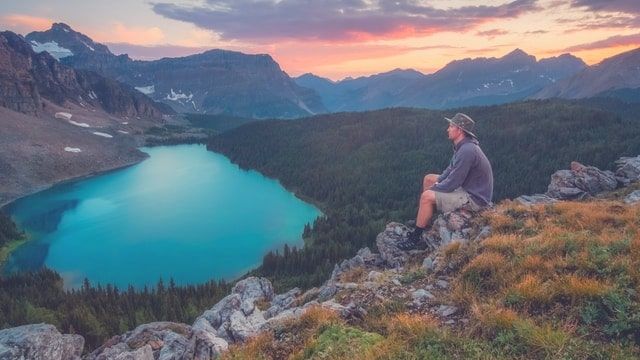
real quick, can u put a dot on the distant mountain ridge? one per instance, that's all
(479, 81)
(616, 76)
(214, 82)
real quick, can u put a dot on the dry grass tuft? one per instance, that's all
(486, 272)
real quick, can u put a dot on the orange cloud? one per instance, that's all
(24, 23)
(131, 35)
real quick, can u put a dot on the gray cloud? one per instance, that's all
(331, 20)
(625, 6)
(620, 40)
(492, 33)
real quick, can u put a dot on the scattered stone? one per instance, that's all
(535, 199)
(375, 276)
(450, 322)
(446, 310)
(422, 295)
(443, 284)
(396, 282)
(427, 264)
(633, 198)
(39, 341)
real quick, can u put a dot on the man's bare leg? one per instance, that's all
(425, 211)
(428, 181)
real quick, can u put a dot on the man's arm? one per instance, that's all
(446, 172)
(459, 170)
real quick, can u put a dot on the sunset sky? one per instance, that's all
(340, 38)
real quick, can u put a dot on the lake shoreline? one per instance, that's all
(200, 234)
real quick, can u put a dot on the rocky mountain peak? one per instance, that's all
(62, 41)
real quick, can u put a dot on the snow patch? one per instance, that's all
(93, 95)
(52, 48)
(125, 123)
(65, 30)
(102, 134)
(63, 115)
(147, 90)
(123, 132)
(175, 96)
(87, 45)
(84, 125)
(304, 107)
(72, 149)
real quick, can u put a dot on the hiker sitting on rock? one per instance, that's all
(467, 181)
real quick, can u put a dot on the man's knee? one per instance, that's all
(429, 180)
(428, 197)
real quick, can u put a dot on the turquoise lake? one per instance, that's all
(184, 213)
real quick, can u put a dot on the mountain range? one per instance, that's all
(254, 86)
(214, 82)
(479, 81)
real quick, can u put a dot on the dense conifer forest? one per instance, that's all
(365, 169)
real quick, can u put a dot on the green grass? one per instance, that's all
(340, 342)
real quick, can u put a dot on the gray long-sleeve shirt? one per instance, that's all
(469, 169)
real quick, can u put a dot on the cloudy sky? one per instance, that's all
(340, 38)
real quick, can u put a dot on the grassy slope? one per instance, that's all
(552, 282)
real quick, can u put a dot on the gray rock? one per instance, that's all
(375, 276)
(628, 169)
(39, 341)
(535, 199)
(254, 288)
(446, 310)
(242, 328)
(580, 182)
(162, 341)
(327, 292)
(443, 284)
(632, 198)
(427, 263)
(422, 295)
(282, 302)
(396, 282)
(247, 307)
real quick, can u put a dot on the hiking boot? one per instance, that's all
(412, 241)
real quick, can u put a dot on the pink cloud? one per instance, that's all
(23, 24)
(335, 20)
(120, 33)
(614, 41)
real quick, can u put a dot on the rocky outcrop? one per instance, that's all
(161, 340)
(39, 341)
(628, 170)
(581, 182)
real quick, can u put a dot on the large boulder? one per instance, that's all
(161, 341)
(580, 182)
(39, 341)
(628, 169)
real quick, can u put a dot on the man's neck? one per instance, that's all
(458, 140)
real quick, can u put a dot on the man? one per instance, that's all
(467, 181)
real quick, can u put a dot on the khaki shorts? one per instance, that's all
(448, 202)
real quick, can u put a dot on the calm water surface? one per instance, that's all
(185, 213)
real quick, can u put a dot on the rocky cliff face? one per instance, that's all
(253, 307)
(214, 82)
(27, 77)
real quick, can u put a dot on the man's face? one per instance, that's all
(453, 132)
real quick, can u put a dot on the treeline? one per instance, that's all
(365, 169)
(8, 230)
(100, 312)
